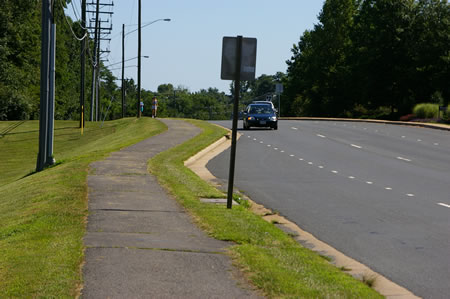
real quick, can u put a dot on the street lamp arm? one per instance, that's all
(145, 56)
(145, 25)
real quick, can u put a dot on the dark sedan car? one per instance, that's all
(260, 115)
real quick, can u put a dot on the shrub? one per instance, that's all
(426, 110)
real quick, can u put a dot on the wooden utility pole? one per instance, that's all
(139, 63)
(83, 64)
(96, 62)
(123, 70)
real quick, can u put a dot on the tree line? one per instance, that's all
(20, 46)
(371, 58)
(364, 58)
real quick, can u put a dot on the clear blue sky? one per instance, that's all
(187, 51)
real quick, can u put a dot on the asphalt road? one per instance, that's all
(379, 193)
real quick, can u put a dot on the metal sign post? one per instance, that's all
(238, 63)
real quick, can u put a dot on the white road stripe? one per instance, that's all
(351, 177)
(301, 159)
(404, 159)
(419, 140)
(292, 155)
(403, 136)
(268, 145)
(321, 136)
(388, 188)
(254, 139)
(310, 163)
(261, 142)
(444, 205)
(334, 171)
(321, 167)
(370, 183)
(294, 128)
(357, 146)
(436, 143)
(410, 195)
(281, 151)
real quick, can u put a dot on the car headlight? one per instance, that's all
(273, 118)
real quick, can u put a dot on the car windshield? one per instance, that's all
(261, 109)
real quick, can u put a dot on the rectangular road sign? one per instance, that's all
(248, 60)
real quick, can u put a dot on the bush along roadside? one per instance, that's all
(271, 260)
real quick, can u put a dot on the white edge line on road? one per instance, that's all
(444, 205)
(357, 146)
(321, 136)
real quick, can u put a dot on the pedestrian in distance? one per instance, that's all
(154, 107)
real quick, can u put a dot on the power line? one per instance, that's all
(70, 26)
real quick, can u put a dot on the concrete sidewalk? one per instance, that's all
(140, 242)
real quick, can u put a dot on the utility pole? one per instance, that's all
(139, 63)
(83, 64)
(44, 97)
(97, 106)
(123, 70)
(94, 57)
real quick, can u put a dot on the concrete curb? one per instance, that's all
(382, 284)
(401, 123)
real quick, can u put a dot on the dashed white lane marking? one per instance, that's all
(249, 136)
(419, 140)
(352, 177)
(261, 142)
(404, 159)
(254, 139)
(294, 128)
(436, 143)
(403, 136)
(321, 136)
(444, 205)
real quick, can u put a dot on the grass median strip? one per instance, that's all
(42, 215)
(271, 259)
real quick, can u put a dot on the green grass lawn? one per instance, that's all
(43, 215)
(272, 260)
